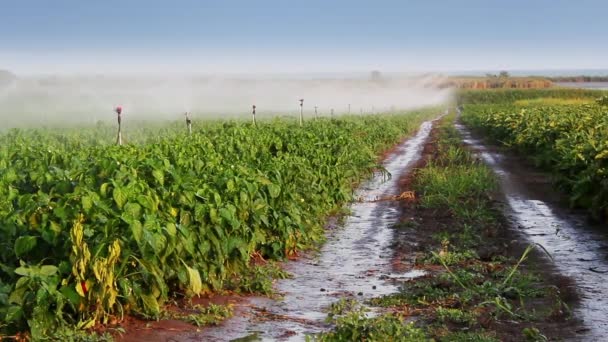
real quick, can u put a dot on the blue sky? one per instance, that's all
(301, 36)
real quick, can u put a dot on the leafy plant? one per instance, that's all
(91, 231)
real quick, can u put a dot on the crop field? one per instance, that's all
(91, 231)
(564, 130)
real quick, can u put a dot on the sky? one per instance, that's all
(268, 36)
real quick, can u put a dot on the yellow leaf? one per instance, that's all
(195, 285)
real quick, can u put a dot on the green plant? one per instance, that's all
(569, 140)
(91, 231)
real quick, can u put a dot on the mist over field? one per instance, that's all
(69, 100)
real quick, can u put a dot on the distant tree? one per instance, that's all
(503, 74)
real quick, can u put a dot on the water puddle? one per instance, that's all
(353, 263)
(579, 251)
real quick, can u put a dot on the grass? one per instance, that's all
(203, 315)
(474, 281)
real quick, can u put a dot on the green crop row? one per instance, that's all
(508, 96)
(90, 230)
(569, 140)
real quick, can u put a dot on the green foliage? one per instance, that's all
(455, 180)
(533, 335)
(200, 316)
(354, 325)
(569, 140)
(455, 315)
(257, 279)
(509, 96)
(468, 337)
(91, 230)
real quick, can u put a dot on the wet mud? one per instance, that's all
(578, 249)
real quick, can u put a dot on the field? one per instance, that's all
(92, 231)
(96, 235)
(564, 131)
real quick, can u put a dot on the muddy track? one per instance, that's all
(579, 250)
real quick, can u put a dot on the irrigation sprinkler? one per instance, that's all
(316, 116)
(118, 111)
(253, 115)
(301, 112)
(188, 122)
(332, 112)
(361, 111)
(349, 109)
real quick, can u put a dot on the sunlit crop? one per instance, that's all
(91, 231)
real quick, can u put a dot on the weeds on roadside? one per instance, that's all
(200, 316)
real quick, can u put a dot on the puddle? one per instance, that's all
(354, 262)
(579, 250)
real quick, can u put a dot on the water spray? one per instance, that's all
(301, 112)
(118, 111)
(253, 115)
(188, 122)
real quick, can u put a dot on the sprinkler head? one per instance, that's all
(118, 110)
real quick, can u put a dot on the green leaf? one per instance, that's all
(131, 212)
(13, 314)
(120, 197)
(150, 304)
(87, 203)
(24, 244)
(48, 270)
(70, 293)
(159, 175)
(230, 185)
(146, 202)
(103, 190)
(274, 190)
(137, 230)
(171, 229)
(17, 295)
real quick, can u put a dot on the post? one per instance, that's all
(253, 114)
(118, 111)
(316, 116)
(301, 112)
(188, 123)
